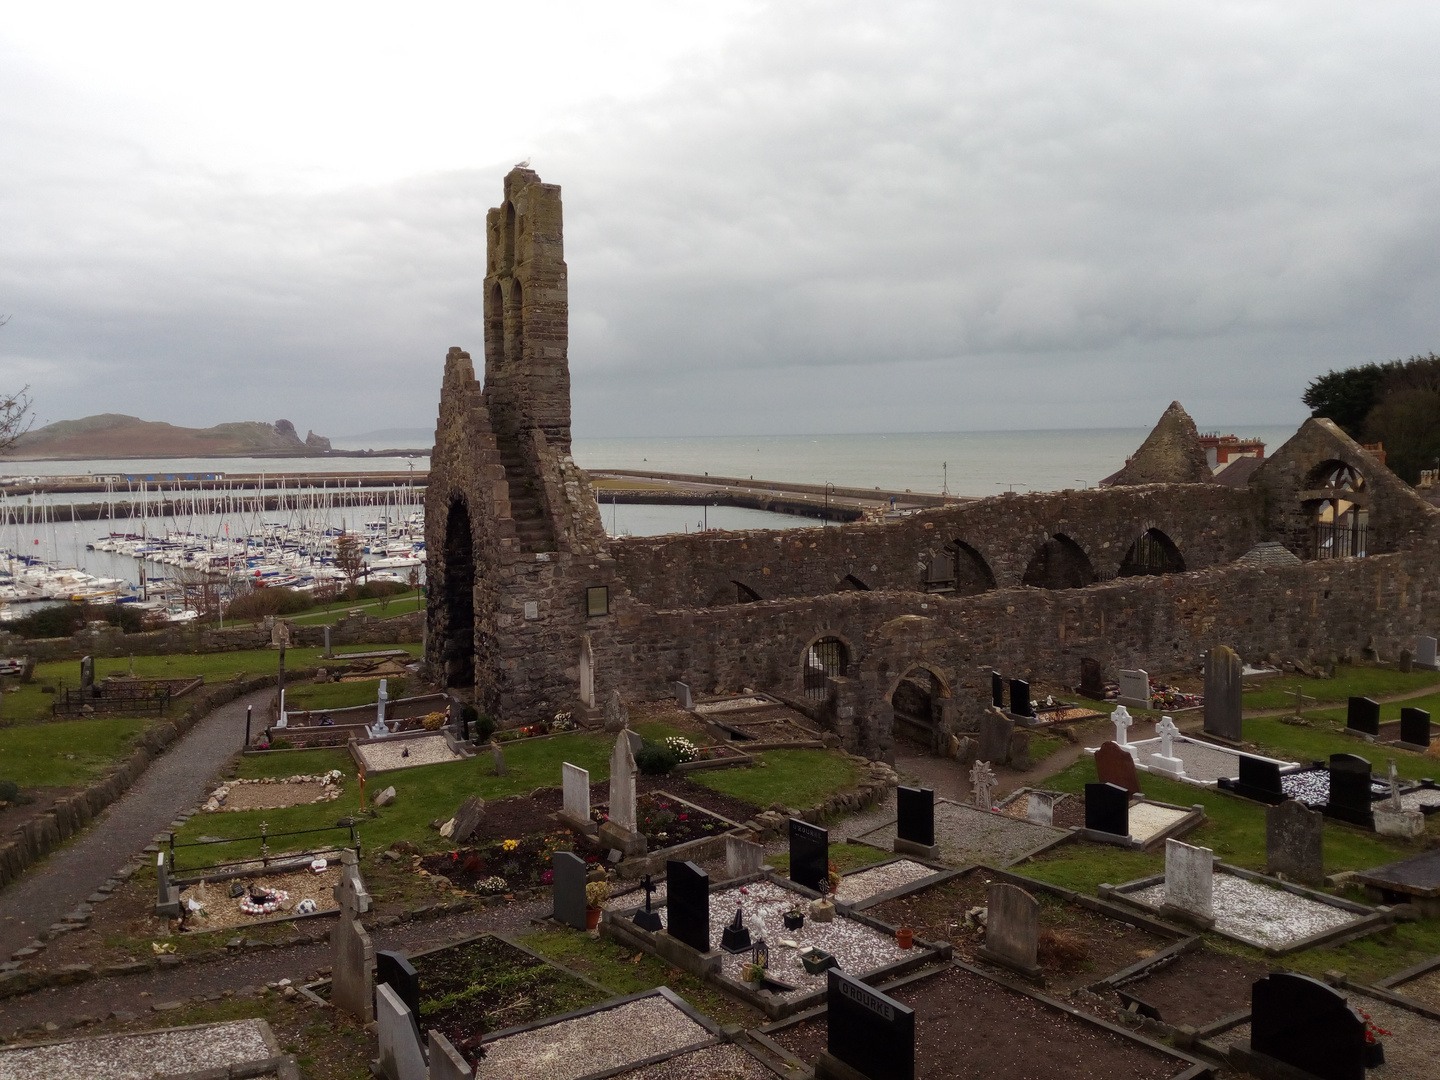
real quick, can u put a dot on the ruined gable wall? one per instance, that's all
(1210, 524)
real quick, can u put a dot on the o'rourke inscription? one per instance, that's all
(866, 1030)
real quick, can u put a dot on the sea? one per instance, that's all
(974, 463)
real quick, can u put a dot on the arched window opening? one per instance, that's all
(1060, 563)
(972, 573)
(495, 322)
(744, 594)
(507, 239)
(1152, 553)
(850, 583)
(515, 322)
(1338, 514)
(824, 660)
(458, 651)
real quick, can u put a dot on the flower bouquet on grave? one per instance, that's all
(1374, 1048)
(833, 878)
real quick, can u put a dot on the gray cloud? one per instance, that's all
(921, 217)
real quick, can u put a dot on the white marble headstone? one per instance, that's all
(1425, 652)
(575, 782)
(1040, 810)
(1135, 689)
(1190, 879)
(1122, 720)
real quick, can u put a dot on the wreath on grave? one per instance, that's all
(263, 903)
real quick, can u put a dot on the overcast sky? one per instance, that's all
(808, 217)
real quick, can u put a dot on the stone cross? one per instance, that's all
(982, 783)
(1394, 789)
(622, 784)
(1167, 731)
(352, 956)
(1122, 720)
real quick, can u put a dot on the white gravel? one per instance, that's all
(1260, 914)
(383, 757)
(1420, 798)
(731, 705)
(967, 835)
(142, 1056)
(1147, 819)
(725, 1062)
(866, 883)
(592, 1043)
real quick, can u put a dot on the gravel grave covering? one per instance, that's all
(1411, 1049)
(725, 1062)
(1262, 914)
(382, 757)
(967, 835)
(1420, 798)
(866, 883)
(271, 796)
(139, 1057)
(732, 705)
(591, 1043)
(1202, 762)
(223, 912)
(1147, 819)
(1425, 988)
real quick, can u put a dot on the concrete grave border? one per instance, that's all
(942, 874)
(1193, 819)
(1388, 988)
(460, 749)
(1062, 835)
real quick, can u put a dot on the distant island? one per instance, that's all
(111, 435)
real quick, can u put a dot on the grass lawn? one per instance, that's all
(28, 703)
(1317, 743)
(846, 856)
(1042, 746)
(402, 604)
(67, 753)
(1279, 690)
(340, 695)
(797, 778)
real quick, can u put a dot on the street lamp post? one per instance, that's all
(829, 487)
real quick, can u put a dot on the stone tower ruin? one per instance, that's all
(516, 562)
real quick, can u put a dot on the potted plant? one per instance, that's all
(753, 973)
(794, 918)
(596, 893)
(816, 961)
(904, 937)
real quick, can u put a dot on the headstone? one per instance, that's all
(395, 969)
(567, 888)
(352, 956)
(997, 690)
(575, 783)
(982, 786)
(1190, 881)
(445, 1061)
(809, 854)
(1307, 1025)
(380, 702)
(1350, 790)
(1040, 810)
(168, 897)
(1407, 662)
(742, 857)
(622, 784)
(1391, 817)
(467, 818)
(497, 755)
(636, 741)
(1107, 809)
(328, 653)
(1135, 689)
(616, 715)
(87, 676)
(1425, 653)
(648, 918)
(1092, 679)
(915, 815)
(1020, 698)
(995, 736)
(1363, 715)
(1165, 761)
(402, 1057)
(1222, 693)
(1123, 721)
(1012, 928)
(1415, 726)
(1259, 780)
(682, 695)
(386, 797)
(1114, 765)
(868, 1031)
(1294, 843)
(687, 904)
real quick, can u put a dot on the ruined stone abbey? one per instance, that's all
(1322, 552)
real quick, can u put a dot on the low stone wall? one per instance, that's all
(111, 641)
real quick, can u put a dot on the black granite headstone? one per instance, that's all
(687, 904)
(997, 690)
(872, 1033)
(1304, 1023)
(394, 968)
(567, 888)
(1092, 679)
(1350, 798)
(809, 854)
(1363, 714)
(1107, 809)
(915, 815)
(1020, 698)
(1259, 780)
(1415, 726)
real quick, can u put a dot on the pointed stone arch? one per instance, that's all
(515, 322)
(457, 651)
(1337, 505)
(972, 573)
(1152, 552)
(850, 583)
(1059, 563)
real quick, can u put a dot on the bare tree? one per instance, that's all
(350, 557)
(15, 416)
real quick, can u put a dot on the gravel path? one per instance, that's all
(178, 780)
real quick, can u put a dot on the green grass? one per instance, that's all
(1279, 690)
(797, 778)
(1318, 742)
(340, 695)
(1042, 746)
(655, 731)
(846, 856)
(67, 753)
(400, 604)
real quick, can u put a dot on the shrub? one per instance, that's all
(62, 620)
(263, 600)
(655, 759)
(9, 791)
(282, 744)
(484, 724)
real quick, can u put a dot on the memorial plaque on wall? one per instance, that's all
(915, 815)
(867, 1030)
(809, 854)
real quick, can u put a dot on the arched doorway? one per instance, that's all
(916, 704)
(1060, 563)
(1152, 553)
(825, 658)
(458, 651)
(1339, 521)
